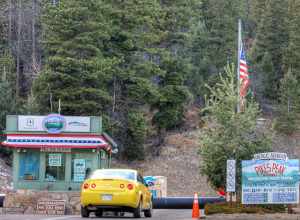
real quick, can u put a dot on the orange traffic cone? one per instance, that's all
(195, 213)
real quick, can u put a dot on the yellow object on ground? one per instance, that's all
(118, 190)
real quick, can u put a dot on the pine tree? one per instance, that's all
(77, 72)
(230, 135)
(289, 90)
(136, 134)
(7, 97)
(272, 38)
(134, 35)
(257, 10)
(287, 121)
(222, 30)
(292, 54)
(213, 41)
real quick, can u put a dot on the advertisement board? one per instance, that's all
(270, 181)
(53, 123)
(157, 185)
(79, 170)
(54, 160)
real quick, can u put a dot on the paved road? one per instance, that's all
(157, 215)
(162, 215)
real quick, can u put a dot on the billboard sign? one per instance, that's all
(270, 181)
(54, 123)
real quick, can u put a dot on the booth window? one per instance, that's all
(29, 166)
(55, 167)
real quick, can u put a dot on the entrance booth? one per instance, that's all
(56, 152)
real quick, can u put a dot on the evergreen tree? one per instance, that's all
(134, 35)
(230, 135)
(77, 71)
(269, 77)
(213, 41)
(222, 31)
(292, 55)
(287, 121)
(173, 95)
(7, 97)
(257, 10)
(272, 38)
(136, 134)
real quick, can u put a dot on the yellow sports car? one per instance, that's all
(117, 190)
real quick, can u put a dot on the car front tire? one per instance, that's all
(84, 212)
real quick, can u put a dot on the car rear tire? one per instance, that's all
(99, 213)
(148, 212)
(84, 212)
(137, 210)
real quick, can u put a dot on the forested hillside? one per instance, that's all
(142, 63)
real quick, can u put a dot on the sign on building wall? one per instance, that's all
(270, 181)
(230, 177)
(53, 123)
(51, 207)
(270, 156)
(79, 170)
(54, 160)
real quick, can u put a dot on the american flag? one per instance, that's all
(244, 74)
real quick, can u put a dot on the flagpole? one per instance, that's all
(238, 64)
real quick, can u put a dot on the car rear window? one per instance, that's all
(113, 174)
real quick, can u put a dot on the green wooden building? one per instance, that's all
(56, 152)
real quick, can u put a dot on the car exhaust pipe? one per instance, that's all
(183, 202)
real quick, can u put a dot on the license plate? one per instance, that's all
(106, 197)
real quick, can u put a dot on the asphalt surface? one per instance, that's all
(165, 214)
(157, 215)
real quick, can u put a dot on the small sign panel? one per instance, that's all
(270, 156)
(51, 207)
(55, 149)
(230, 177)
(54, 160)
(79, 170)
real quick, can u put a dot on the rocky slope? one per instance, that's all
(5, 175)
(178, 161)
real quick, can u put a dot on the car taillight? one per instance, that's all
(93, 185)
(86, 186)
(122, 185)
(130, 186)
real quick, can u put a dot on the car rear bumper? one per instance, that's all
(110, 208)
(119, 199)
